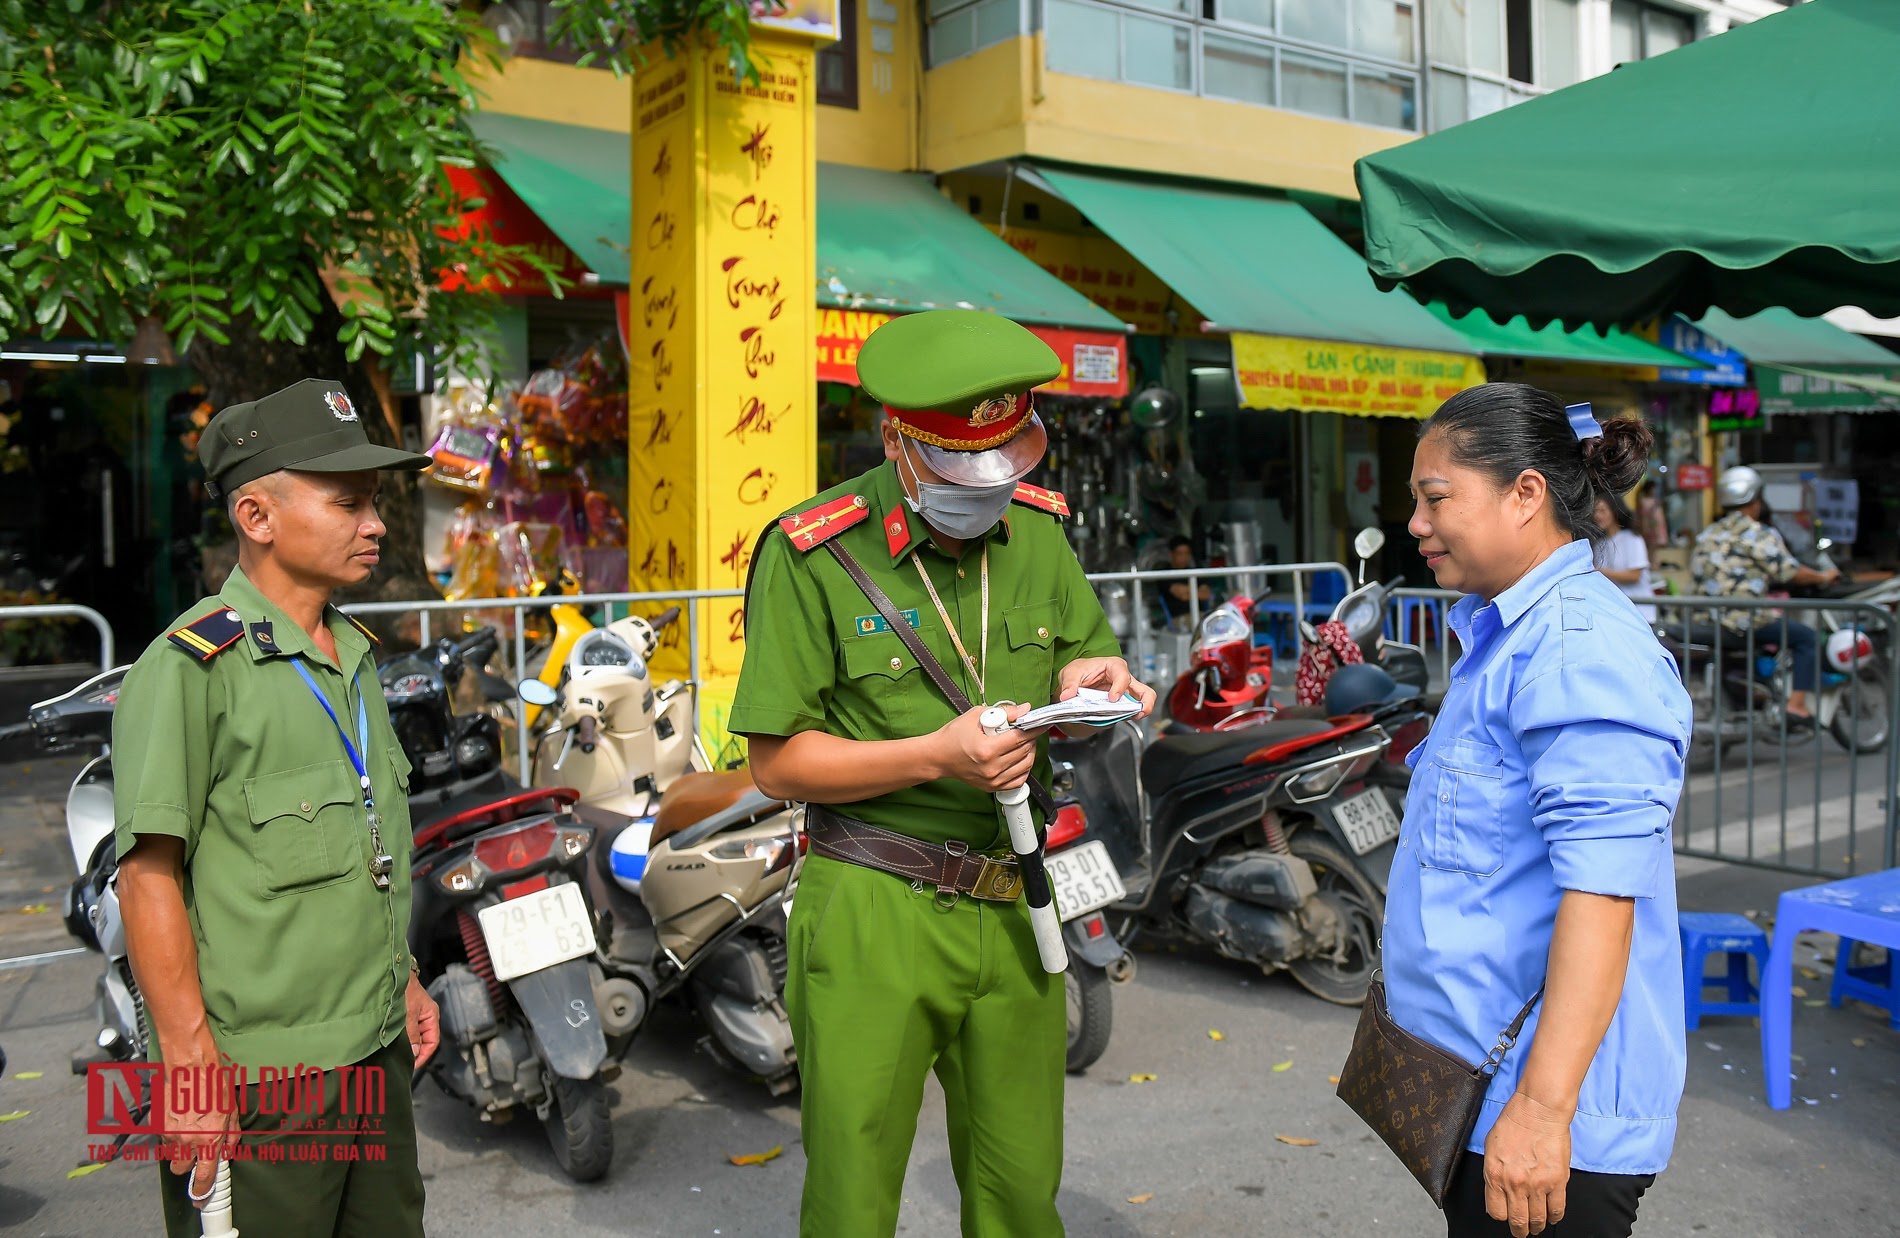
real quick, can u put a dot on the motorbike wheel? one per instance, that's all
(1091, 1014)
(580, 1129)
(1861, 725)
(1363, 909)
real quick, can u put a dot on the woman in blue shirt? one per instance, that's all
(1536, 843)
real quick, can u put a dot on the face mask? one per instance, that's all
(962, 512)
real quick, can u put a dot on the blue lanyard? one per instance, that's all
(361, 746)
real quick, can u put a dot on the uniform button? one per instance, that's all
(1445, 798)
(1042, 633)
(959, 573)
(304, 807)
(231, 615)
(897, 664)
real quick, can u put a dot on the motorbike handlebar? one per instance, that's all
(665, 618)
(588, 730)
(482, 642)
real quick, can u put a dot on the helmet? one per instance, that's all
(1738, 487)
(1357, 688)
(1848, 647)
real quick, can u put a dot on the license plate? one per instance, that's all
(537, 930)
(1083, 879)
(1368, 820)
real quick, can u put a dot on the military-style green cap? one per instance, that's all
(957, 382)
(311, 426)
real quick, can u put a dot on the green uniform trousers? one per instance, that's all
(883, 985)
(361, 1185)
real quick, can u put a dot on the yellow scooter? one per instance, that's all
(569, 626)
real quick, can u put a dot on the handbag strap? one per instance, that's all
(1507, 1040)
(926, 659)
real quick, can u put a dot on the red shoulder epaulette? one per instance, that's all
(206, 637)
(821, 524)
(1050, 501)
(368, 635)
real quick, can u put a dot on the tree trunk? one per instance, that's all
(249, 368)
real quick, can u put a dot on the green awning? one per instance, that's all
(1250, 263)
(578, 180)
(1552, 343)
(1779, 337)
(890, 241)
(1795, 389)
(1755, 168)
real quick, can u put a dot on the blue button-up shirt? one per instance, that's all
(1555, 764)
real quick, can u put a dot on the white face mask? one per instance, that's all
(962, 512)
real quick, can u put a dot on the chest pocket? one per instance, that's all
(1467, 808)
(884, 670)
(306, 828)
(1031, 632)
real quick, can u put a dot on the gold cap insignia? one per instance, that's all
(991, 411)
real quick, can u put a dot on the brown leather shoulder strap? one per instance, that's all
(920, 651)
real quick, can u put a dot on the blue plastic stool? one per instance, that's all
(1705, 933)
(1871, 983)
(1864, 908)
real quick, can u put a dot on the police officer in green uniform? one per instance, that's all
(263, 836)
(892, 977)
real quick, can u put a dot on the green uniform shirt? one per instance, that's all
(301, 957)
(819, 658)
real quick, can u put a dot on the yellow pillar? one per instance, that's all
(722, 429)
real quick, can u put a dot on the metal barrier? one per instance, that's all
(65, 610)
(1139, 626)
(1760, 791)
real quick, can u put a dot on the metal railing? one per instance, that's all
(66, 610)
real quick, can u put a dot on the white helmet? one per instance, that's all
(1738, 487)
(1848, 647)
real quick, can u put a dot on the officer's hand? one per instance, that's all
(988, 762)
(423, 1021)
(200, 1138)
(1109, 674)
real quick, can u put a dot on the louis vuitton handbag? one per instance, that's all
(1422, 1100)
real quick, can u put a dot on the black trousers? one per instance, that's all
(1596, 1206)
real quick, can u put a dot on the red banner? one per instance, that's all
(505, 218)
(1094, 363)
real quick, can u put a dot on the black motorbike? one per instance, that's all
(450, 754)
(1271, 843)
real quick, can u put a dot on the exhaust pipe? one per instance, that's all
(1122, 970)
(622, 1005)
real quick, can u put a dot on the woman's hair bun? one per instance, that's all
(1618, 460)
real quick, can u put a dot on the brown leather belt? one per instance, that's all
(951, 868)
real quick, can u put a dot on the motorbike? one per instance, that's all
(449, 754)
(1362, 613)
(695, 869)
(1271, 843)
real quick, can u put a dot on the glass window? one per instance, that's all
(937, 8)
(1389, 99)
(1665, 32)
(1309, 84)
(1157, 53)
(836, 67)
(1383, 28)
(955, 36)
(1316, 21)
(1251, 12)
(1558, 19)
(996, 21)
(1626, 33)
(1484, 97)
(1082, 38)
(1166, 6)
(1448, 100)
(1487, 35)
(1446, 23)
(1232, 69)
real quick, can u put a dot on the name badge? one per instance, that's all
(871, 625)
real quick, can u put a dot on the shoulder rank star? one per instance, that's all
(1050, 501)
(205, 637)
(821, 524)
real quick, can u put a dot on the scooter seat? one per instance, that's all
(1177, 758)
(694, 797)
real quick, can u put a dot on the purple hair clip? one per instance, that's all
(1582, 423)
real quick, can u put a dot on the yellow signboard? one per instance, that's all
(1106, 274)
(1358, 380)
(722, 430)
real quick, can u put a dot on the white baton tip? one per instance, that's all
(994, 719)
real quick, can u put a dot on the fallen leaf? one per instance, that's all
(1141, 1078)
(1297, 1141)
(1214, 1034)
(757, 1158)
(30, 1074)
(1141, 1199)
(1814, 1001)
(1798, 991)
(1858, 1043)
(33, 909)
(1810, 973)
(48, 889)
(83, 1170)
(15, 1116)
(1282, 1067)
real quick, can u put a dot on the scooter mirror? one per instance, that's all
(535, 692)
(1369, 542)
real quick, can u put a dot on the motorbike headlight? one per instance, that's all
(1222, 625)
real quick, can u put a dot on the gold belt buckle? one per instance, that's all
(1000, 881)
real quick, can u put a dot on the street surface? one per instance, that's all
(1197, 1144)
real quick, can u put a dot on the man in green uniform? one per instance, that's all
(263, 836)
(890, 977)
